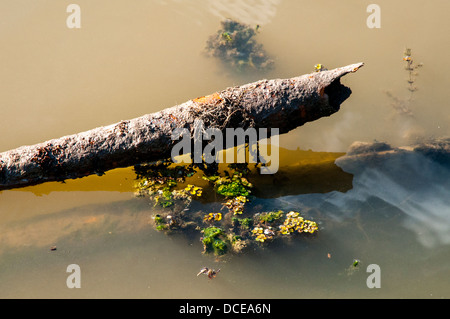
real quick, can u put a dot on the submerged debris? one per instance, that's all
(234, 44)
(211, 273)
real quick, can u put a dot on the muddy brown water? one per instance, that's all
(140, 57)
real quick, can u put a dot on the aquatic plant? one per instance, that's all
(158, 180)
(262, 234)
(234, 45)
(236, 205)
(270, 217)
(243, 223)
(224, 231)
(194, 190)
(212, 217)
(238, 244)
(214, 240)
(235, 188)
(401, 105)
(275, 224)
(354, 267)
(160, 222)
(411, 67)
(165, 197)
(166, 222)
(295, 223)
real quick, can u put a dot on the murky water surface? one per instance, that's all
(138, 57)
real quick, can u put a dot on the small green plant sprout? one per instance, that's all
(354, 267)
(411, 68)
(319, 68)
(401, 105)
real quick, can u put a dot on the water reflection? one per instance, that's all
(414, 184)
(302, 172)
(410, 185)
